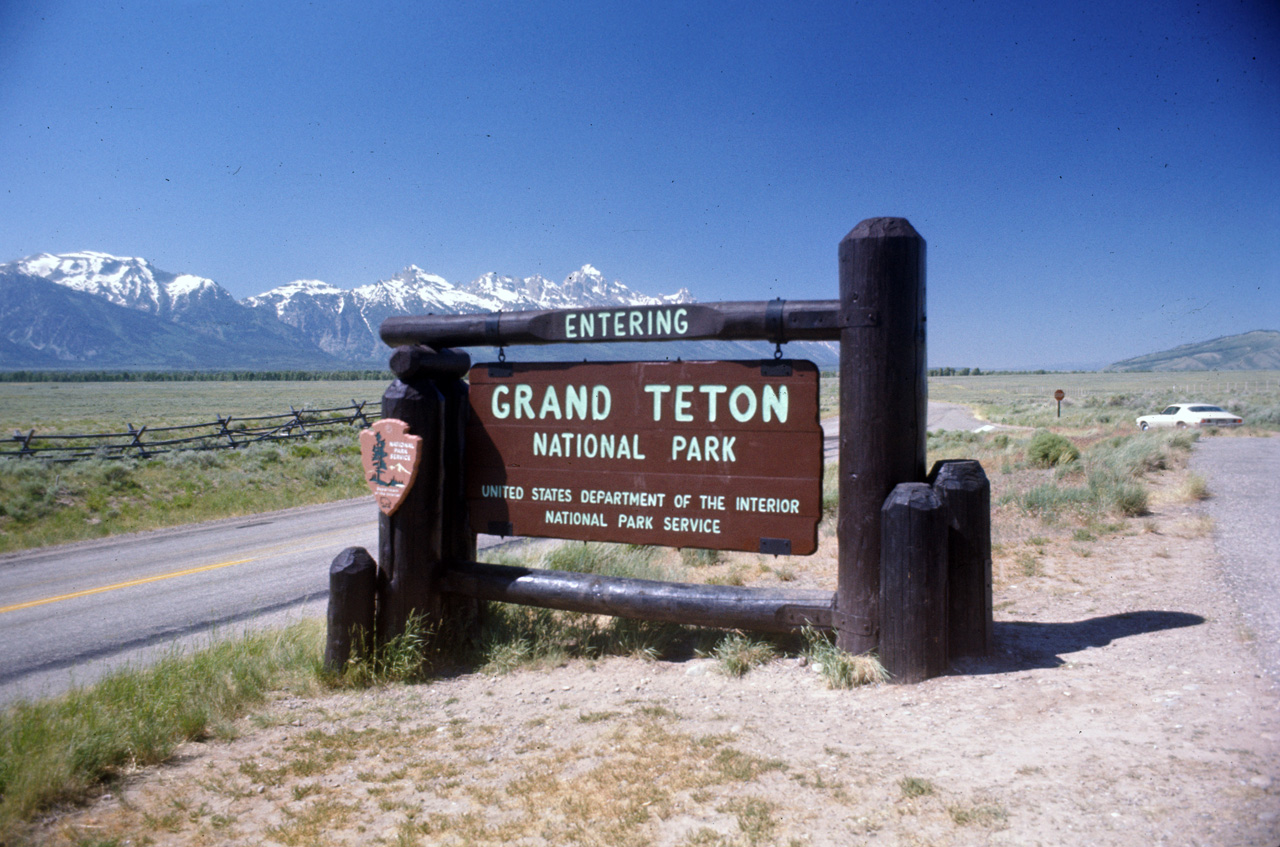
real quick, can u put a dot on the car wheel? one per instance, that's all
(1143, 426)
(1181, 425)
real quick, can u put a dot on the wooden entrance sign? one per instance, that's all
(722, 455)
(718, 455)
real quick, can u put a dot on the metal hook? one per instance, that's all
(777, 352)
(502, 354)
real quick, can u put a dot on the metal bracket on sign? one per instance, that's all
(851, 623)
(815, 616)
(775, 546)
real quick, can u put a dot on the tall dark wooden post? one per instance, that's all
(461, 616)
(883, 393)
(410, 549)
(430, 528)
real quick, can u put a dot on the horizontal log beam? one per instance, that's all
(766, 320)
(717, 606)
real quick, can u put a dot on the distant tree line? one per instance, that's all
(955, 371)
(192, 376)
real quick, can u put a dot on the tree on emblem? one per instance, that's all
(380, 462)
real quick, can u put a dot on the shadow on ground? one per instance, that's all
(1024, 645)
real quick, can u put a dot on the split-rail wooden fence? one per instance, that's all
(146, 441)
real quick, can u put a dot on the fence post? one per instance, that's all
(966, 494)
(883, 392)
(353, 580)
(913, 588)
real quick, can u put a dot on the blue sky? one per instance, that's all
(1094, 180)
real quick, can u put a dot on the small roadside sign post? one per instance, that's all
(1059, 395)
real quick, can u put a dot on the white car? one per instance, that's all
(1183, 415)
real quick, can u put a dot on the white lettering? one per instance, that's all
(505, 492)
(712, 391)
(550, 404)
(706, 526)
(739, 415)
(712, 448)
(499, 407)
(577, 445)
(524, 393)
(657, 391)
(682, 403)
(601, 402)
(574, 518)
(575, 402)
(774, 403)
(635, 521)
(772, 505)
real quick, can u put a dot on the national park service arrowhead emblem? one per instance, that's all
(390, 457)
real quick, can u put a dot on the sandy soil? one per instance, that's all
(1124, 706)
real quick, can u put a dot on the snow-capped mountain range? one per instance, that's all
(345, 323)
(91, 309)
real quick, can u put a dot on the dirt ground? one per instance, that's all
(1124, 706)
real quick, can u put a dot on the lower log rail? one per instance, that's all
(716, 606)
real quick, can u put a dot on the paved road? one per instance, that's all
(1243, 475)
(70, 613)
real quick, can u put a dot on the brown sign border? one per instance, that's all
(780, 464)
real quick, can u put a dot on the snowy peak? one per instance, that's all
(130, 282)
(583, 288)
(413, 291)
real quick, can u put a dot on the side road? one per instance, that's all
(1243, 475)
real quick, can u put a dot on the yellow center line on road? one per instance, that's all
(267, 553)
(101, 589)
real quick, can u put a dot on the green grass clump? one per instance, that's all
(58, 750)
(914, 786)
(1048, 450)
(736, 653)
(841, 669)
(402, 659)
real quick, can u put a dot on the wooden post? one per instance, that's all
(461, 617)
(913, 587)
(883, 393)
(966, 494)
(410, 547)
(353, 580)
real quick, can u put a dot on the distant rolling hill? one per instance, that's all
(1252, 351)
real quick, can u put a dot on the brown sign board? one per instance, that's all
(718, 455)
(1059, 395)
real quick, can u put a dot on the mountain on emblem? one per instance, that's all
(390, 456)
